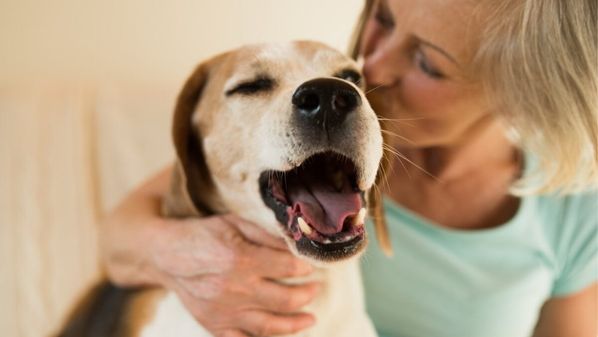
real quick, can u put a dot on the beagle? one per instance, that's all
(283, 136)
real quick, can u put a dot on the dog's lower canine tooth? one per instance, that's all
(303, 226)
(359, 218)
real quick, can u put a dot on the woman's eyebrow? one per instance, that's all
(383, 6)
(440, 50)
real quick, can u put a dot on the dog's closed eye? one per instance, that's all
(349, 75)
(257, 85)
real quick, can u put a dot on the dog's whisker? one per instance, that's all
(393, 134)
(374, 88)
(384, 177)
(364, 259)
(399, 122)
(400, 155)
(398, 119)
(283, 177)
(404, 167)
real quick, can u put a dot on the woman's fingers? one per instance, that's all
(280, 298)
(231, 333)
(263, 324)
(271, 263)
(222, 268)
(246, 318)
(254, 233)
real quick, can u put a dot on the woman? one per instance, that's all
(491, 108)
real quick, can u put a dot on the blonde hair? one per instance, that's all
(538, 62)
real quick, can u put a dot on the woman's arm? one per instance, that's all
(221, 267)
(126, 231)
(573, 315)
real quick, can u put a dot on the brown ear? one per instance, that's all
(376, 210)
(191, 184)
(375, 202)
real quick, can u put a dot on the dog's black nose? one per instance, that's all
(325, 102)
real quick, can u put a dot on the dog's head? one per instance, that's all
(283, 136)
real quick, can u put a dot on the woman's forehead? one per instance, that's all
(451, 25)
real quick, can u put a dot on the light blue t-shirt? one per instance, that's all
(483, 283)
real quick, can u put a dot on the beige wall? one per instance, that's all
(86, 91)
(148, 40)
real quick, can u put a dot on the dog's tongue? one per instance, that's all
(324, 206)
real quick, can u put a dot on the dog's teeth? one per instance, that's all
(304, 226)
(359, 219)
(327, 241)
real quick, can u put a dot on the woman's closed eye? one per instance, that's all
(424, 64)
(383, 16)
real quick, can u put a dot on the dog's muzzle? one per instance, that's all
(318, 202)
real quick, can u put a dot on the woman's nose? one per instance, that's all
(385, 65)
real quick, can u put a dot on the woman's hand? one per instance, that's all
(222, 268)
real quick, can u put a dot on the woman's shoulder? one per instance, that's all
(565, 219)
(579, 208)
(570, 225)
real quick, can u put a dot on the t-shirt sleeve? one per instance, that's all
(578, 246)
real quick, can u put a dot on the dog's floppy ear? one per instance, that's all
(376, 211)
(375, 202)
(191, 186)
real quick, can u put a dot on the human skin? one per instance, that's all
(460, 162)
(437, 115)
(455, 168)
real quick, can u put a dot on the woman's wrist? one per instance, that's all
(128, 261)
(129, 234)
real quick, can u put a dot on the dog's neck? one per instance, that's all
(178, 203)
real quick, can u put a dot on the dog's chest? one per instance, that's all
(339, 310)
(172, 319)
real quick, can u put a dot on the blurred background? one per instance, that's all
(86, 95)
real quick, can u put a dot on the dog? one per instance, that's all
(283, 136)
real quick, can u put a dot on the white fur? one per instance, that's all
(172, 319)
(339, 309)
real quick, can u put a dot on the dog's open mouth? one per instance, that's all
(319, 205)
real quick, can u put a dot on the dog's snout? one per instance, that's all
(325, 102)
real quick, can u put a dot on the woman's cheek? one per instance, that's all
(421, 95)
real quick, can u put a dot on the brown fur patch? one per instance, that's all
(142, 309)
(100, 313)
